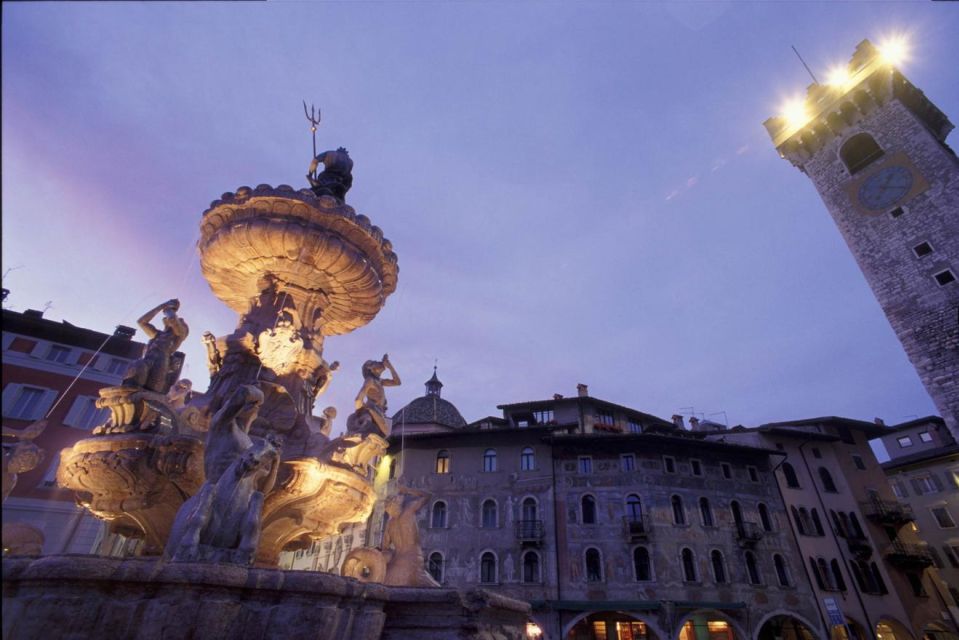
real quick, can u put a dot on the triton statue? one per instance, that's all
(336, 178)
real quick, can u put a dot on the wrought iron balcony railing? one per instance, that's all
(908, 556)
(530, 531)
(889, 511)
(637, 526)
(748, 533)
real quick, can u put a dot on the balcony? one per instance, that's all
(529, 531)
(637, 527)
(908, 556)
(887, 511)
(748, 534)
(859, 547)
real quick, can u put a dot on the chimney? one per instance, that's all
(678, 421)
(123, 332)
(33, 313)
(880, 422)
(557, 396)
(582, 390)
(693, 423)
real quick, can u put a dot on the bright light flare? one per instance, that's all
(894, 50)
(794, 111)
(839, 77)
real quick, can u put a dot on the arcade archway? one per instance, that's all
(611, 625)
(785, 627)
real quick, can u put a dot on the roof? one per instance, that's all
(921, 456)
(870, 428)
(32, 324)
(915, 423)
(533, 404)
(430, 409)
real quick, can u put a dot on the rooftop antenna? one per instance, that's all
(720, 413)
(808, 70)
(313, 115)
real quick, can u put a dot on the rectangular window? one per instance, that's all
(816, 453)
(627, 462)
(727, 470)
(925, 436)
(924, 484)
(753, 474)
(944, 277)
(605, 417)
(898, 211)
(922, 249)
(943, 517)
(58, 354)
(845, 434)
(116, 366)
(858, 461)
(899, 488)
(634, 427)
(27, 405)
(585, 464)
(669, 464)
(904, 442)
(543, 417)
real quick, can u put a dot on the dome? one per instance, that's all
(430, 409)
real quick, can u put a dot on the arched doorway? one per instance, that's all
(708, 625)
(888, 629)
(852, 630)
(784, 627)
(610, 625)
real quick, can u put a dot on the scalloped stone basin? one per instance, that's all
(315, 500)
(311, 244)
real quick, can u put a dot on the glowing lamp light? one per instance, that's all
(839, 77)
(533, 632)
(894, 50)
(795, 113)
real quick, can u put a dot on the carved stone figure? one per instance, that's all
(179, 394)
(229, 431)
(401, 559)
(336, 178)
(370, 402)
(222, 521)
(214, 359)
(153, 370)
(22, 455)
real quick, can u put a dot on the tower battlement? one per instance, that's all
(868, 81)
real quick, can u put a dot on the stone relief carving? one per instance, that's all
(22, 455)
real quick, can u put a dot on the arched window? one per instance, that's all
(527, 461)
(531, 567)
(641, 565)
(798, 519)
(764, 518)
(594, 566)
(706, 512)
(837, 575)
(855, 527)
(880, 583)
(781, 571)
(489, 514)
(435, 566)
(529, 509)
(857, 574)
(488, 568)
(588, 504)
(817, 523)
(443, 461)
(859, 151)
(737, 514)
(679, 513)
(438, 520)
(827, 577)
(817, 573)
(719, 567)
(752, 569)
(827, 484)
(489, 460)
(837, 524)
(689, 565)
(792, 481)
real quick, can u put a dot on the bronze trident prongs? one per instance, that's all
(313, 115)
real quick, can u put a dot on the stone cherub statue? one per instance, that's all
(400, 561)
(22, 455)
(336, 178)
(222, 521)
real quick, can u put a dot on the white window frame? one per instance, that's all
(12, 393)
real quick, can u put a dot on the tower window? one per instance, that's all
(898, 211)
(922, 249)
(859, 152)
(944, 277)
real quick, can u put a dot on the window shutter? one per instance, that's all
(40, 349)
(10, 393)
(76, 410)
(917, 486)
(936, 481)
(45, 403)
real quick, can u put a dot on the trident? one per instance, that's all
(313, 115)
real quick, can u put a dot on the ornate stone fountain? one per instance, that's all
(296, 266)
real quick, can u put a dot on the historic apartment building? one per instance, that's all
(611, 522)
(924, 473)
(874, 146)
(54, 370)
(860, 548)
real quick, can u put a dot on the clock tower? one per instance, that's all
(875, 148)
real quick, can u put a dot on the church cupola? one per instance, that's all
(433, 385)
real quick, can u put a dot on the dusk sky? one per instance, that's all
(577, 192)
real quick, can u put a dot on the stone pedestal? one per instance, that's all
(79, 597)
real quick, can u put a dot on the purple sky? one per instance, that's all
(576, 192)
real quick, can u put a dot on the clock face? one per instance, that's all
(885, 187)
